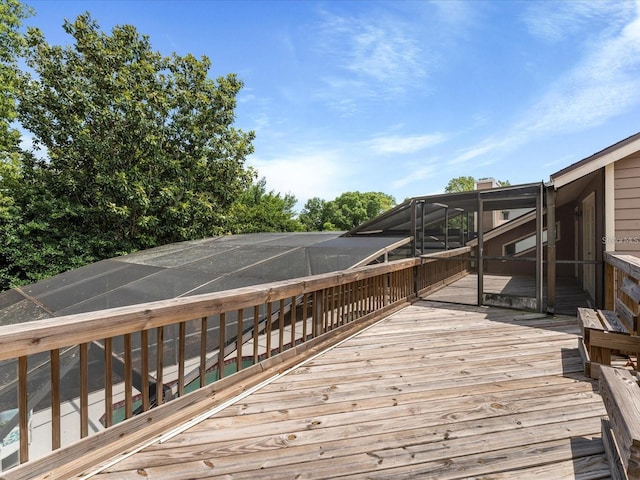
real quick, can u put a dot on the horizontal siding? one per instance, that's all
(628, 241)
(629, 211)
(627, 205)
(627, 182)
(628, 226)
(630, 162)
(626, 193)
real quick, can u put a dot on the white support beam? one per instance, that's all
(609, 208)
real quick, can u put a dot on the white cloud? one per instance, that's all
(561, 162)
(415, 175)
(560, 20)
(307, 175)
(384, 53)
(483, 148)
(603, 84)
(455, 14)
(407, 144)
(373, 55)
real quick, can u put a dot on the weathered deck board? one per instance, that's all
(430, 392)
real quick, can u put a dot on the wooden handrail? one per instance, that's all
(44, 335)
(321, 303)
(59, 332)
(622, 289)
(628, 264)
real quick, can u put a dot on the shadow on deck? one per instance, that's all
(433, 391)
(569, 296)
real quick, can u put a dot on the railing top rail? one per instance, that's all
(629, 264)
(446, 253)
(44, 335)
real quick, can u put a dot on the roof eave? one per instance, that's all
(596, 161)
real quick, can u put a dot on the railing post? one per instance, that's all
(609, 287)
(256, 325)
(128, 377)
(84, 390)
(480, 252)
(222, 343)
(539, 254)
(203, 353)
(414, 227)
(182, 344)
(446, 228)
(318, 301)
(108, 382)
(422, 204)
(267, 328)
(23, 409)
(281, 326)
(159, 365)
(551, 249)
(386, 292)
(239, 335)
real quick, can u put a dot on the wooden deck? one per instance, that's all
(433, 391)
(569, 296)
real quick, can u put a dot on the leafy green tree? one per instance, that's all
(460, 184)
(137, 149)
(12, 45)
(312, 215)
(257, 210)
(468, 183)
(37, 240)
(10, 220)
(346, 211)
(141, 147)
(354, 208)
(465, 184)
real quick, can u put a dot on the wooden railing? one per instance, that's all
(230, 341)
(619, 386)
(622, 289)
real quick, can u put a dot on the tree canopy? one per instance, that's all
(12, 48)
(12, 45)
(460, 184)
(465, 184)
(139, 145)
(133, 148)
(257, 210)
(468, 183)
(345, 212)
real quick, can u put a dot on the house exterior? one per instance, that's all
(495, 218)
(614, 181)
(593, 206)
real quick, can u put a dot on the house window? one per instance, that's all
(524, 244)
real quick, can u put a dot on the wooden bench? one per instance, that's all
(605, 332)
(621, 431)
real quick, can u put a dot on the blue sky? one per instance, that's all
(400, 97)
